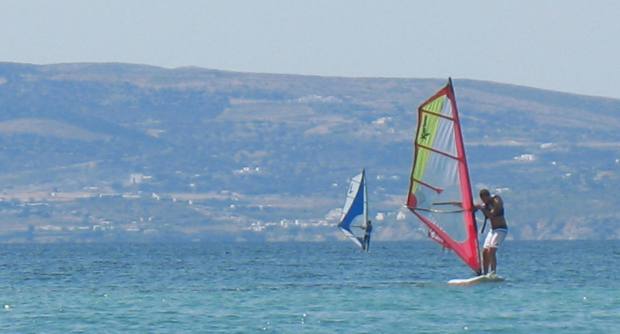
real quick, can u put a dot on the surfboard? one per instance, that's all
(476, 280)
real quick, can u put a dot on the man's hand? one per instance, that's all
(482, 207)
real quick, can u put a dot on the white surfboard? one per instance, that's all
(476, 280)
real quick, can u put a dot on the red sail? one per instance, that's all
(440, 189)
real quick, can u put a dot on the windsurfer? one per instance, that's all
(367, 231)
(493, 209)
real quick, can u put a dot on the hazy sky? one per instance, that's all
(570, 46)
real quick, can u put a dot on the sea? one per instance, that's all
(298, 287)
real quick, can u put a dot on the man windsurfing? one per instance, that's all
(367, 232)
(493, 209)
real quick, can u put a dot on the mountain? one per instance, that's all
(131, 152)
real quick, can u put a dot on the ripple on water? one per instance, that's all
(314, 288)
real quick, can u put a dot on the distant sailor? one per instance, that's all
(366, 241)
(493, 209)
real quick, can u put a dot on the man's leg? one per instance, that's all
(485, 261)
(493, 259)
(497, 239)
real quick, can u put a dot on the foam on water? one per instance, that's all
(571, 287)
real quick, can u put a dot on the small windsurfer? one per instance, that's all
(493, 209)
(367, 232)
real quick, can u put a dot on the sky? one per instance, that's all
(571, 46)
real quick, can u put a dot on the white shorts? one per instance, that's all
(495, 237)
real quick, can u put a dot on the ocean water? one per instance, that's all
(400, 287)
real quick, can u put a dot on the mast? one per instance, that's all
(468, 201)
(365, 197)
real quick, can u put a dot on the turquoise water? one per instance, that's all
(567, 287)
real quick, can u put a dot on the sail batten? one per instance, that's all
(438, 115)
(447, 155)
(440, 176)
(427, 185)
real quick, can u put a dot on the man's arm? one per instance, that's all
(486, 212)
(498, 206)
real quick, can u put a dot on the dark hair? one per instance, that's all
(484, 192)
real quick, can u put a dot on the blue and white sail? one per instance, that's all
(355, 205)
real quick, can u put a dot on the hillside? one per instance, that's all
(130, 152)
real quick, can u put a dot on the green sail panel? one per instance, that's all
(426, 137)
